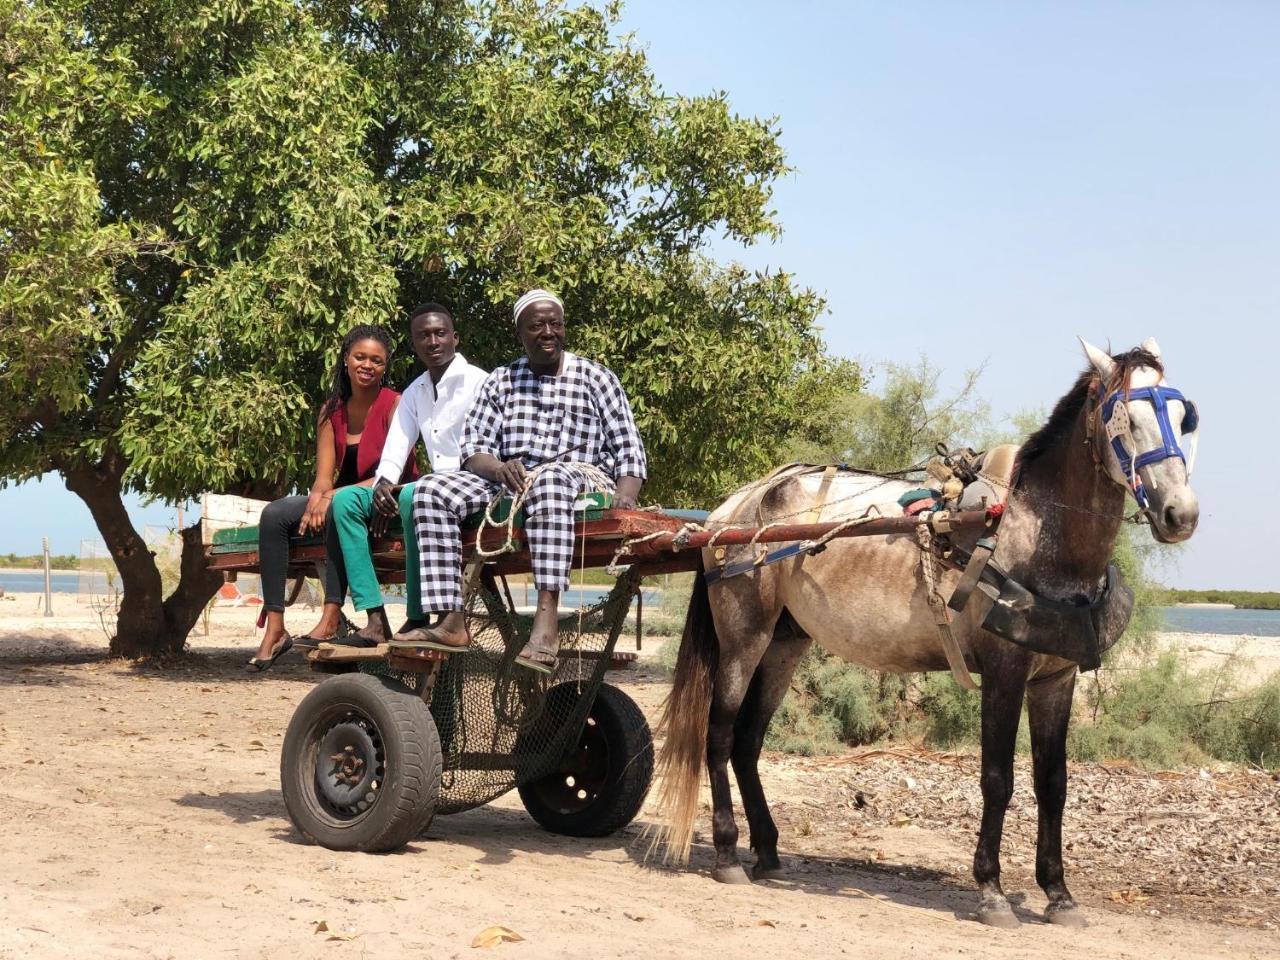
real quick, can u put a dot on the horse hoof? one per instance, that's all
(1001, 917)
(767, 873)
(733, 874)
(1067, 915)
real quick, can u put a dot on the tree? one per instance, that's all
(897, 427)
(198, 198)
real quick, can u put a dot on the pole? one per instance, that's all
(48, 585)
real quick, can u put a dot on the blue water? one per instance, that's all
(1254, 623)
(60, 581)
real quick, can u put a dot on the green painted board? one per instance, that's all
(591, 506)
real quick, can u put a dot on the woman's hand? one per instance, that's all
(313, 517)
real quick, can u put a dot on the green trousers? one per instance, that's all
(352, 510)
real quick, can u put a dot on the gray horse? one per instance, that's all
(1114, 434)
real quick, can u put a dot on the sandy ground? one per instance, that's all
(144, 819)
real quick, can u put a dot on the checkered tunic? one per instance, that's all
(520, 414)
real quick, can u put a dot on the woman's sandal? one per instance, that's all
(539, 659)
(259, 664)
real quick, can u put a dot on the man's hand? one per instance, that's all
(624, 498)
(384, 498)
(512, 476)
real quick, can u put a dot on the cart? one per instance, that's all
(393, 738)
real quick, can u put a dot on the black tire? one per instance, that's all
(383, 794)
(600, 785)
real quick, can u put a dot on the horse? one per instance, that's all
(1113, 435)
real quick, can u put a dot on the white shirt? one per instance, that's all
(435, 415)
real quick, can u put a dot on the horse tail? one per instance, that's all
(685, 718)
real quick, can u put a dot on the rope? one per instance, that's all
(938, 606)
(594, 475)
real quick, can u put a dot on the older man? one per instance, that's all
(533, 421)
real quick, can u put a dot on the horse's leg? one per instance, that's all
(768, 687)
(1049, 710)
(738, 661)
(1003, 684)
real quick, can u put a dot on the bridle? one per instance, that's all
(1112, 410)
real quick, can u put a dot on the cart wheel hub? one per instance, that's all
(349, 765)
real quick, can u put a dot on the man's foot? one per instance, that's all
(411, 624)
(377, 630)
(432, 638)
(544, 636)
(539, 654)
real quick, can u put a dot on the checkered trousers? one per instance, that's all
(442, 500)
(584, 409)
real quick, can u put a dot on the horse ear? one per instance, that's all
(1099, 360)
(1151, 347)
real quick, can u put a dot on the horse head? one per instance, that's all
(1144, 436)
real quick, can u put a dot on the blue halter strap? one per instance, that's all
(1159, 398)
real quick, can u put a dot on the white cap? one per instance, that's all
(532, 297)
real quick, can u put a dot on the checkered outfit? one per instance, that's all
(520, 414)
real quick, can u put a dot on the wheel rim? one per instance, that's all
(349, 765)
(581, 777)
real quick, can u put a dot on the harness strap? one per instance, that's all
(982, 552)
(941, 617)
(820, 501)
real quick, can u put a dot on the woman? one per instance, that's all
(352, 428)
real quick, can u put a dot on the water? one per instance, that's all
(60, 581)
(1254, 623)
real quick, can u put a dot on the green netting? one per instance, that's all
(498, 728)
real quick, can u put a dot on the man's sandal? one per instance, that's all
(425, 638)
(539, 659)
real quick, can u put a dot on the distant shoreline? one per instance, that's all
(1211, 606)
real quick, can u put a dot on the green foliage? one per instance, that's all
(1245, 599)
(199, 198)
(953, 715)
(1164, 713)
(895, 428)
(57, 561)
(830, 703)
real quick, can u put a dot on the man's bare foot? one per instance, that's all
(449, 634)
(544, 636)
(411, 624)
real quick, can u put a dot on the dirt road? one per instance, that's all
(143, 819)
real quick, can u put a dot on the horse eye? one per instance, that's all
(1190, 418)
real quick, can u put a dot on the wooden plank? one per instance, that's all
(219, 511)
(340, 653)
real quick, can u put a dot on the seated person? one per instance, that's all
(532, 420)
(433, 407)
(353, 425)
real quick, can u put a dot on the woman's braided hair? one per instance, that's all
(341, 390)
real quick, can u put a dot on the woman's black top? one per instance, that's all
(348, 473)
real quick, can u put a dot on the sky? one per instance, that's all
(982, 182)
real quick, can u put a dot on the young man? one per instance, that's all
(532, 420)
(433, 407)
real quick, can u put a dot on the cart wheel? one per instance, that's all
(360, 767)
(599, 787)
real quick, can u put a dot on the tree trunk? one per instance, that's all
(148, 625)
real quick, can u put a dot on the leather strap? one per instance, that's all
(982, 552)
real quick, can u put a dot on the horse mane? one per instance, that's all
(1057, 429)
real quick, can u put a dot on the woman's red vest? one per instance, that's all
(372, 439)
